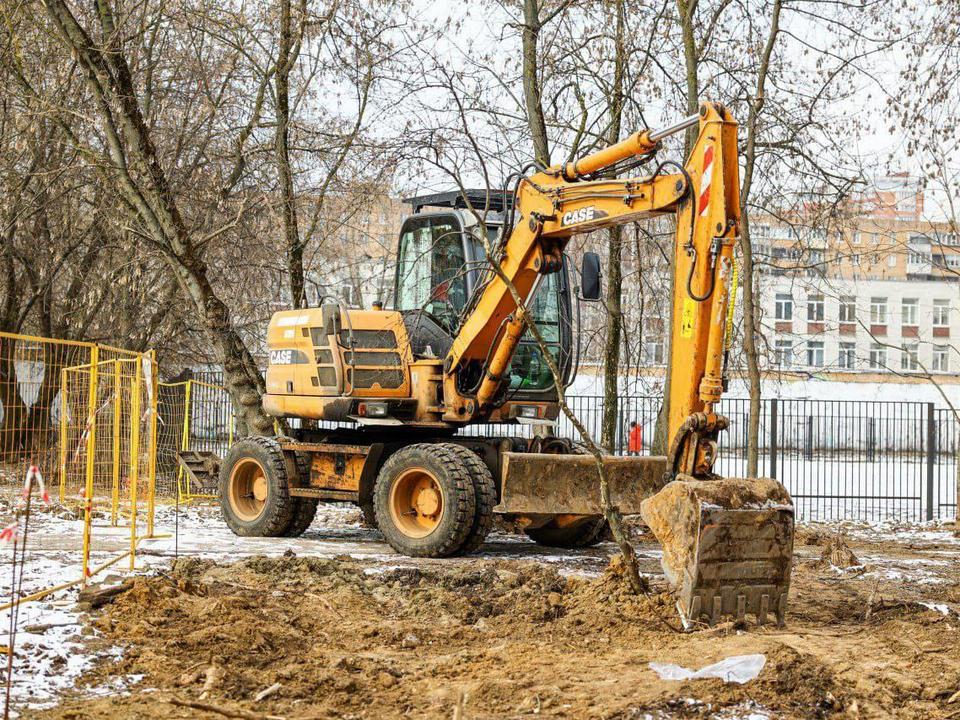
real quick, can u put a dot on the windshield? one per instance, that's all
(431, 273)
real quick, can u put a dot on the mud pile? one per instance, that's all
(319, 638)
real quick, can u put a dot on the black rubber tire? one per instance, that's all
(304, 509)
(584, 534)
(277, 512)
(485, 497)
(445, 463)
(369, 516)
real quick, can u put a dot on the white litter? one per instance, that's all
(737, 669)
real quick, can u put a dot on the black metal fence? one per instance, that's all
(840, 459)
(865, 460)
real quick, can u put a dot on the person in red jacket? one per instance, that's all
(635, 439)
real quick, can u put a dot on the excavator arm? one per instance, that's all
(561, 201)
(727, 543)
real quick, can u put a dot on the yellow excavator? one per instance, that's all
(380, 396)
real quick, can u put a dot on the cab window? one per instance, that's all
(431, 273)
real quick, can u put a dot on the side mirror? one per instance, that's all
(590, 276)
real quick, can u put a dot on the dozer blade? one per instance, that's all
(545, 484)
(727, 546)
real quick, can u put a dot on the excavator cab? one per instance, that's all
(441, 261)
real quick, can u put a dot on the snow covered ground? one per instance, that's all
(51, 653)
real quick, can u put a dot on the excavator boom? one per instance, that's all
(728, 543)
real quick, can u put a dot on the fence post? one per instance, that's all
(63, 435)
(117, 424)
(153, 384)
(91, 430)
(185, 441)
(773, 438)
(931, 457)
(808, 439)
(134, 457)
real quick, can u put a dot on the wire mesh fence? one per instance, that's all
(84, 415)
(194, 415)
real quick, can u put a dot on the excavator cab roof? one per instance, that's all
(478, 198)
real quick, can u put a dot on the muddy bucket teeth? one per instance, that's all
(727, 546)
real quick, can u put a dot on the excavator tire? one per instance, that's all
(253, 488)
(580, 535)
(369, 517)
(485, 496)
(304, 509)
(424, 500)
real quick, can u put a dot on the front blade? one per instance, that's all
(727, 546)
(545, 484)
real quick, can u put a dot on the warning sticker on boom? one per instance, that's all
(687, 317)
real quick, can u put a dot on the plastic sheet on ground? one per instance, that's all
(737, 669)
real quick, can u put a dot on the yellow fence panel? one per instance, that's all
(108, 451)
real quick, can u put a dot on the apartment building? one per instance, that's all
(355, 257)
(877, 293)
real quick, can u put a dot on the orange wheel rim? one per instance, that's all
(248, 489)
(416, 502)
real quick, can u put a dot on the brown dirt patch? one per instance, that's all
(504, 639)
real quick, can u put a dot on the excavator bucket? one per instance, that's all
(727, 546)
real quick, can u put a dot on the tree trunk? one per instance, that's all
(145, 194)
(531, 82)
(691, 61)
(614, 299)
(291, 230)
(750, 310)
(611, 352)
(686, 10)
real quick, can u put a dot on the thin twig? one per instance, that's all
(226, 712)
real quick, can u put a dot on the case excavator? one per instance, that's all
(383, 397)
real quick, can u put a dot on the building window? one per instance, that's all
(941, 358)
(815, 353)
(941, 313)
(783, 353)
(346, 294)
(908, 357)
(653, 351)
(878, 357)
(784, 307)
(848, 309)
(815, 308)
(909, 308)
(848, 356)
(878, 311)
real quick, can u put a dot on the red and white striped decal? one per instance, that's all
(704, 203)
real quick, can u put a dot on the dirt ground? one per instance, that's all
(491, 638)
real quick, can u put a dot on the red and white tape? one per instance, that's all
(34, 475)
(10, 534)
